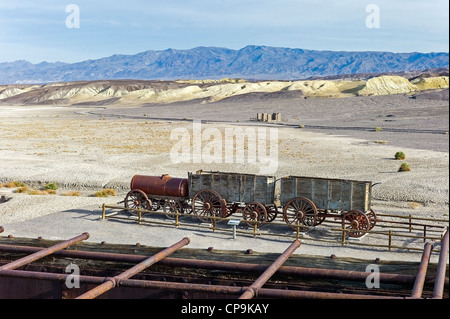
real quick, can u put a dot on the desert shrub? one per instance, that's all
(15, 184)
(23, 189)
(37, 192)
(105, 193)
(378, 129)
(404, 168)
(400, 156)
(51, 186)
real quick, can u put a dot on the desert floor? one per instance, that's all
(86, 148)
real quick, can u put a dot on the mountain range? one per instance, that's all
(251, 62)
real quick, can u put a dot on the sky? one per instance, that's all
(77, 30)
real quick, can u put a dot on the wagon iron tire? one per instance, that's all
(208, 203)
(172, 206)
(372, 218)
(135, 200)
(321, 216)
(272, 213)
(255, 213)
(300, 210)
(231, 210)
(356, 222)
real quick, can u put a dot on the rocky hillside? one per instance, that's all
(251, 62)
(109, 92)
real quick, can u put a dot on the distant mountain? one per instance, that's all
(251, 62)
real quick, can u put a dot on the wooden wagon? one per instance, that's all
(309, 201)
(224, 194)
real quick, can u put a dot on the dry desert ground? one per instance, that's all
(87, 147)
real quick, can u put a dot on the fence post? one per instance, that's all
(103, 212)
(424, 233)
(344, 231)
(390, 240)
(410, 223)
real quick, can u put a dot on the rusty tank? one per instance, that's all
(164, 185)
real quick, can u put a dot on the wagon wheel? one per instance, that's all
(137, 199)
(187, 207)
(321, 216)
(301, 211)
(172, 206)
(357, 222)
(156, 204)
(207, 203)
(372, 219)
(254, 212)
(231, 209)
(272, 213)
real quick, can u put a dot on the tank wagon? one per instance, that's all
(303, 201)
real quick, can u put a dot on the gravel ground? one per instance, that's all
(87, 149)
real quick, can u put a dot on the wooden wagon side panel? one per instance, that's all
(328, 194)
(361, 196)
(234, 188)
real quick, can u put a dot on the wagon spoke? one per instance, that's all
(300, 211)
(254, 213)
(207, 203)
(137, 199)
(173, 206)
(356, 222)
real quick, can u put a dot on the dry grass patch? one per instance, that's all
(105, 193)
(71, 193)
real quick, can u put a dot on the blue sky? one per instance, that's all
(36, 30)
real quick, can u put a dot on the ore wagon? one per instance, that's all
(309, 201)
(224, 194)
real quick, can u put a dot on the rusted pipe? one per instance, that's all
(262, 292)
(253, 289)
(42, 253)
(227, 266)
(193, 287)
(438, 291)
(422, 272)
(115, 281)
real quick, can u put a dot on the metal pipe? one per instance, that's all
(225, 265)
(438, 291)
(422, 272)
(43, 253)
(253, 289)
(115, 281)
(193, 287)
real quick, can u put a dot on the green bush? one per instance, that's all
(404, 168)
(51, 186)
(400, 156)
